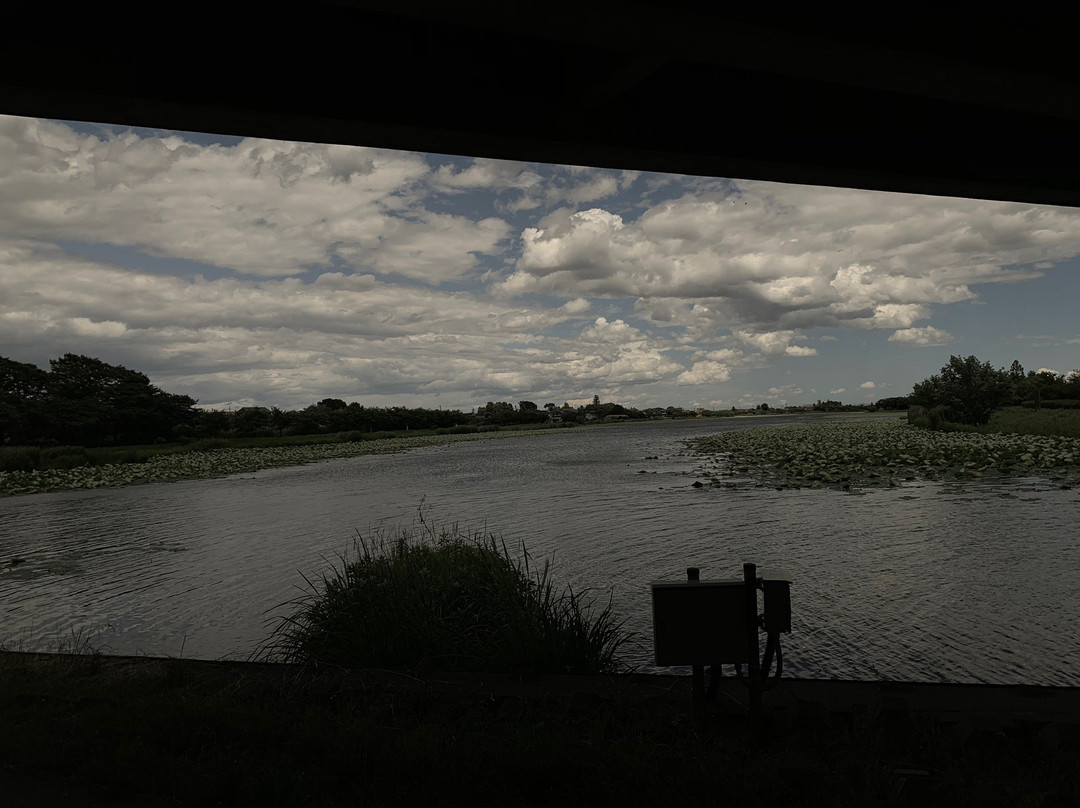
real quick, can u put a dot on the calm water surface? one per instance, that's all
(972, 581)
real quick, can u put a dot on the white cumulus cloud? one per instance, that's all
(926, 336)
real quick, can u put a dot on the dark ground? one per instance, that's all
(91, 730)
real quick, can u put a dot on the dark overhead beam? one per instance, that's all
(683, 88)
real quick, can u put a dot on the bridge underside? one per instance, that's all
(932, 102)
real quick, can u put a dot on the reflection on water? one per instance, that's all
(973, 581)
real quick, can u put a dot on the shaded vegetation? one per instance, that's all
(968, 391)
(160, 464)
(1048, 420)
(84, 401)
(881, 452)
(441, 598)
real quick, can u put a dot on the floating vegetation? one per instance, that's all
(857, 454)
(215, 463)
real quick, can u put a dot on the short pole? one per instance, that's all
(753, 663)
(694, 574)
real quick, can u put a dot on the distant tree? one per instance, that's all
(596, 401)
(894, 403)
(90, 402)
(281, 420)
(22, 390)
(764, 407)
(1042, 385)
(253, 421)
(1071, 385)
(549, 406)
(332, 404)
(527, 406)
(967, 389)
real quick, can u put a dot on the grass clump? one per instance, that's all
(442, 598)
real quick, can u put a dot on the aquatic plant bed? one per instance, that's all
(98, 730)
(860, 454)
(218, 462)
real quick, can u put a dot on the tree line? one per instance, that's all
(967, 391)
(82, 401)
(86, 402)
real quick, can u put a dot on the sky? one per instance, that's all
(245, 271)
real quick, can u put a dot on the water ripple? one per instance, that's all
(973, 582)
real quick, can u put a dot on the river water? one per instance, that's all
(965, 582)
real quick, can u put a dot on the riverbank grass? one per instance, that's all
(1028, 421)
(442, 598)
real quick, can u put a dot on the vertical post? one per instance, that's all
(694, 574)
(753, 664)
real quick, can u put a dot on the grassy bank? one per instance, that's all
(218, 458)
(880, 452)
(1047, 421)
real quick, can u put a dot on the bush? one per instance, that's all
(64, 457)
(928, 418)
(208, 445)
(1054, 404)
(445, 600)
(19, 458)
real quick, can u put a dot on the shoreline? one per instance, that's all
(200, 465)
(223, 462)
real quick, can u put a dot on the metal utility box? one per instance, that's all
(700, 623)
(776, 584)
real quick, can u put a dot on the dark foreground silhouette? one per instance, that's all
(92, 730)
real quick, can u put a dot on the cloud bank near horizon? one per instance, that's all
(257, 271)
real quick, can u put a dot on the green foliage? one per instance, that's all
(1060, 421)
(1054, 404)
(209, 445)
(970, 390)
(19, 458)
(882, 452)
(893, 403)
(442, 598)
(64, 457)
(22, 389)
(84, 401)
(458, 430)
